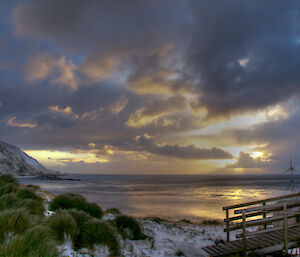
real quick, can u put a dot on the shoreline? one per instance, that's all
(171, 198)
(164, 237)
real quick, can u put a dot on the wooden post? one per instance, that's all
(264, 216)
(244, 234)
(227, 226)
(285, 228)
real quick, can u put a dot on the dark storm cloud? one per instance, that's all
(95, 23)
(226, 56)
(148, 144)
(183, 152)
(245, 53)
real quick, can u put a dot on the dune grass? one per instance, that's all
(212, 222)
(12, 201)
(14, 222)
(63, 225)
(35, 242)
(33, 187)
(115, 211)
(98, 232)
(74, 201)
(26, 232)
(8, 188)
(80, 218)
(26, 193)
(7, 178)
(125, 223)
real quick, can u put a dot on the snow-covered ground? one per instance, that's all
(171, 239)
(167, 239)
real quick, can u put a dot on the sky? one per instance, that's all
(152, 87)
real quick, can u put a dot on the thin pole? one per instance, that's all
(264, 216)
(244, 234)
(227, 226)
(285, 226)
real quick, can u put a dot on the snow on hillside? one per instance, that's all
(14, 161)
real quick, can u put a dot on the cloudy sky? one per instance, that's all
(152, 87)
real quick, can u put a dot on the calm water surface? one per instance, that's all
(174, 197)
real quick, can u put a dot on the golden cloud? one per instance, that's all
(118, 106)
(42, 66)
(13, 123)
(152, 112)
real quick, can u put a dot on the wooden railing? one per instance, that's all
(269, 210)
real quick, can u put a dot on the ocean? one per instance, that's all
(173, 197)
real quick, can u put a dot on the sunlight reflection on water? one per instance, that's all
(172, 197)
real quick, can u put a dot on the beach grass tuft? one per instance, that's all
(129, 228)
(7, 178)
(12, 201)
(74, 201)
(33, 187)
(35, 242)
(14, 221)
(80, 218)
(98, 232)
(63, 225)
(8, 188)
(115, 211)
(26, 193)
(211, 222)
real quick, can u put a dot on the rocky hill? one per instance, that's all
(14, 161)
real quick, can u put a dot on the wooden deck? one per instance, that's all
(267, 242)
(273, 223)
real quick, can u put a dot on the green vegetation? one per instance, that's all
(211, 222)
(78, 202)
(63, 225)
(8, 188)
(115, 211)
(83, 230)
(7, 178)
(33, 187)
(13, 221)
(34, 242)
(26, 232)
(12, 201)
(22, 223)
(22, 232)
(129, 228)
(26, 193)
(157, 219)
(98, 232)
(186, 221)
(80, 217)
(179, 253)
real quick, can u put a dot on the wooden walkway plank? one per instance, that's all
(277, 236)
(261, 241)
(225, 249)
(296, 230)
(237, 244)
(210, 252)
(215, 251)
(271, 239)
(250, 244)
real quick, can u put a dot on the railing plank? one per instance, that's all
(268, 231)
(260, 201)
(261, 212)
(269, 208)
(257, 222)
